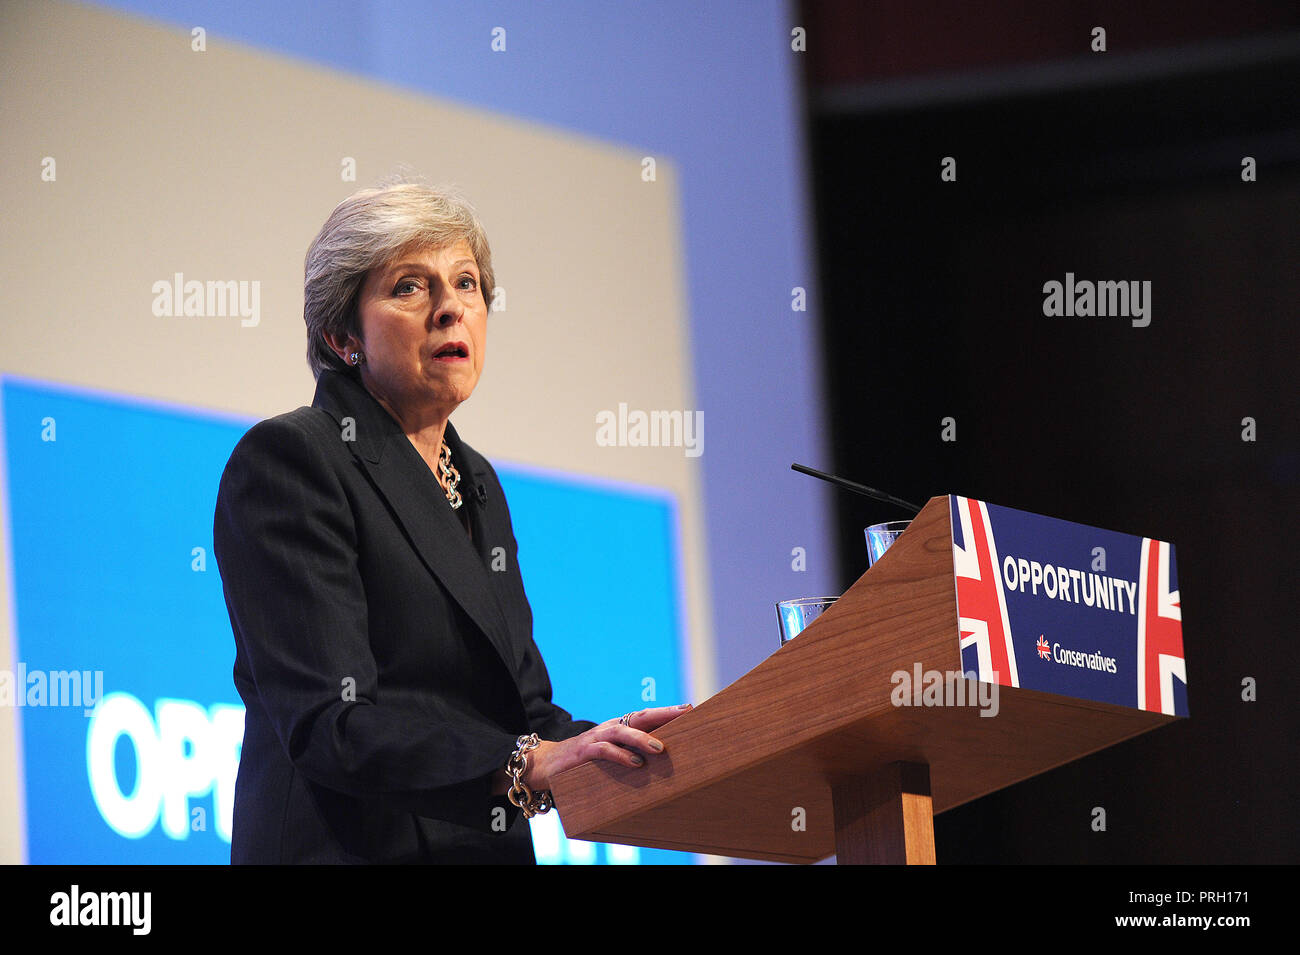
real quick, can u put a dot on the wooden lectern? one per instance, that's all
(806, 755)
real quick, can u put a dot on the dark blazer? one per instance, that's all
(386, 660)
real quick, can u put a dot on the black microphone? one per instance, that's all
(854, 486)
(481, 493)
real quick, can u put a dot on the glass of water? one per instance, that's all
(795, 615)
(880, 536)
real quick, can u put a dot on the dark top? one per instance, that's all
(385, 656)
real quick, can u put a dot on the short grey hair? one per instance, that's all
(367, 230)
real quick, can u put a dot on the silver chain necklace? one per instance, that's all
(450, 475)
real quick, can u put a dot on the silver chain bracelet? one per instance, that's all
(529, 802)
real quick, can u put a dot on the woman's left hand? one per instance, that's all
(613, 740)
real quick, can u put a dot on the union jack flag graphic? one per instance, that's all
(1160, 631)
(1044, 648)
(981, 601)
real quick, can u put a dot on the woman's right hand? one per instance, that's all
(611, 741)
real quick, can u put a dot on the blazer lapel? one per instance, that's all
(412, 491)
(485, 522)
(473, 494)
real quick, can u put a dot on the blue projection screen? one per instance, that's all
(130, 723)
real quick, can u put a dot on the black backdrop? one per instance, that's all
(932, 302)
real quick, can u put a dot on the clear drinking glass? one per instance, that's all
(880, 536)
(795, 615)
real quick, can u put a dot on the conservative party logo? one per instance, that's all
(1075, 658)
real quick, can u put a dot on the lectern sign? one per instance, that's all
(1051, 605)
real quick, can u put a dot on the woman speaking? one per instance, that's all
(398, 709)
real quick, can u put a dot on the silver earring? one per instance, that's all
(357, 358)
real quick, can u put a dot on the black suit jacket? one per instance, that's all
(386, 666)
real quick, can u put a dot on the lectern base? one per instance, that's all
(886, 818)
